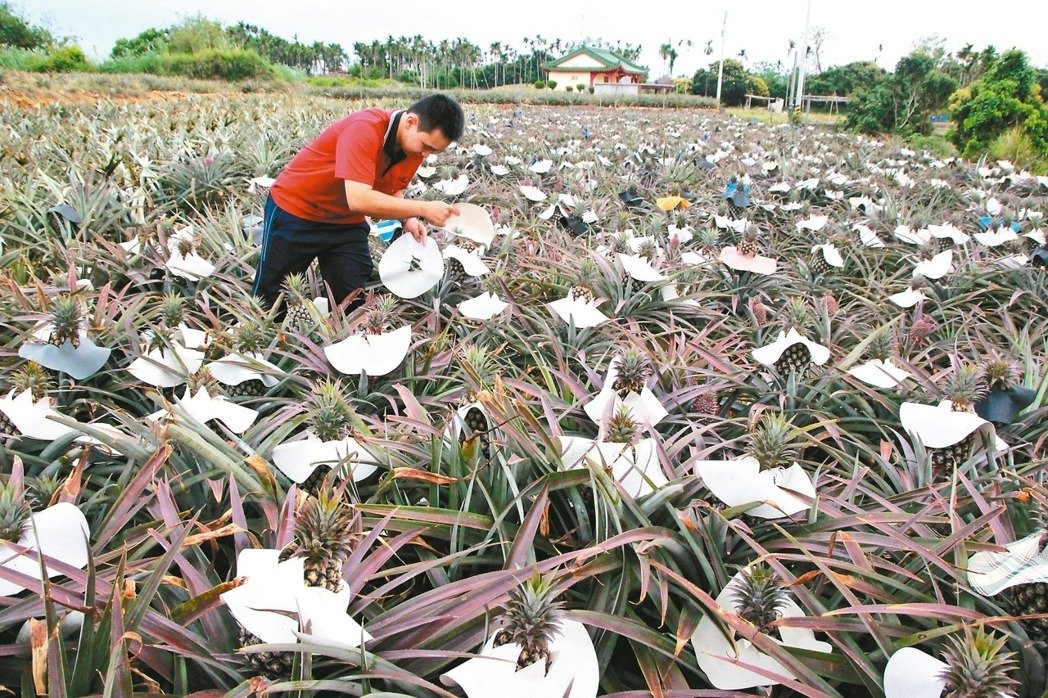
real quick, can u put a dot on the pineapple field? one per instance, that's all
(679, 405)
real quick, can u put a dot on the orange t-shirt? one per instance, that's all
(361, 147)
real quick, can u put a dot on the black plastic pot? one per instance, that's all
(1002, 406)
(631, 199)
(575, 225)
(1040, 257)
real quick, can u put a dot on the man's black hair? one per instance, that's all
(440, 111)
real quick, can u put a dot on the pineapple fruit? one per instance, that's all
(529, 619)
(796, 358)
(477, 427)
(323, 538)
(977, 666)
(297, 302)
(964, 388)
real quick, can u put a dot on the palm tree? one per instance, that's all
(664, 54)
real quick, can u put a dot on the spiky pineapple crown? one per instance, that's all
(882, 344)
(977, 666)
(42, 490)
(772, 441)
(14, 512)
(252, 336)
(31, 376)
(587, 272)
(66, 317)
(622, 427)
(647, 249)
(621, 243)
(760, 597)
(964, 387)
(709, 238)
(634, 369)
(530, 618)
(295, 288)
(480, 360)
(1000, 374)
(324, 529)
(171, 309)
(797, 314)
(185, 245)
(202, 378)
(379, 317)
(330, 414)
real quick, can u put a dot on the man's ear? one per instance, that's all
(411, 120)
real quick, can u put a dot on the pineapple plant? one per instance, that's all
(529, 619)
(14, 512)
(978, 667)
(772, 441)
(760, 598)
(324, 539)
(634, 369)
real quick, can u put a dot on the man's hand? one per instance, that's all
(438, 212)
(417, 229)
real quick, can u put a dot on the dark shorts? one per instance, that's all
(290, 244)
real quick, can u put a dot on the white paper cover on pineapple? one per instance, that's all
(574, 672)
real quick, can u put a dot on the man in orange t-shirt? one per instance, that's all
(358, 166)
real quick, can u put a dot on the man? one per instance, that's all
(359, 166)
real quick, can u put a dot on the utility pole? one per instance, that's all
(804, 61)
(720, 69)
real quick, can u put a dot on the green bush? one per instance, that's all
(581, 87)
(540, 84)
(70, 59)
(235, 64)
(13, 58)
(130, 63)
(1016, 146)
(552, 84)
(1006, 97)
(934, 144)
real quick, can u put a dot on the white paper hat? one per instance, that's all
(473, 223)
(409, 268)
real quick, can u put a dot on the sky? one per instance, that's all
(883, 31)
